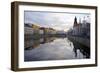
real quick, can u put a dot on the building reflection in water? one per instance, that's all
(77, 49)
(83, 49)
(33, 43)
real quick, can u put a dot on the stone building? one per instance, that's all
(81, 29)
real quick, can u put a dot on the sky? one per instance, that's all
(56, 20)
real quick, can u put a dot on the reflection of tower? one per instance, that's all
(75, 51)
(75, 22)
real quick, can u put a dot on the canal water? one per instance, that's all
(54, 49)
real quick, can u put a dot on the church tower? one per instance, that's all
(75, 22)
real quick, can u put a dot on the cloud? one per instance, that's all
(59, 21)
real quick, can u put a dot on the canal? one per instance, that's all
(54, 48)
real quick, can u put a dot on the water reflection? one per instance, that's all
(54, 48)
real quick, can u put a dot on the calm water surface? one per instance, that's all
(54, 49)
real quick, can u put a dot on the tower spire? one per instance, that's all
(75, 21)
(79, 20)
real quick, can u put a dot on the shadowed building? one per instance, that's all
(80, 29)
